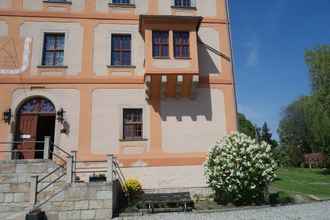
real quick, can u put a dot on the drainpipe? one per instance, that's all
(232, 58)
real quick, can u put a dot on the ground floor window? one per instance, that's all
(132, 124)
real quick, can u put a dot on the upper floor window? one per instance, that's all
(53, 50)
(121, 50)
(183, 3)
(124, 2)
(160, 44)
(132, 124)
(58, 1)
(181, 44)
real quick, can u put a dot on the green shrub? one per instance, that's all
(239, 169)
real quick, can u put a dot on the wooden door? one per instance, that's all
(27, 132)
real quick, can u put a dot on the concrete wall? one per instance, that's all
(3, 29)
(107, 119)
(209, 61)
(69, 100)
(196, 124)
(72, 50)
(167, 176)
(102, 47)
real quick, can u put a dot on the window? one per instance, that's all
(121, 50)
(53, 50)
(160, 44)
(181, 44)
(132, 124)
(58, 1)
(124, 2)
(182, 3)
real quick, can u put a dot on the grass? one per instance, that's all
(304, 182)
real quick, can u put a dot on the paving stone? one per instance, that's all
(69, 215)
(5, 187)
(96, 204)
(81, 205)
(19, 197)
(104, 194)
(87, 214)
(9, 197)
(103, 214)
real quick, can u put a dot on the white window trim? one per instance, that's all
(144, 119)
(66, 44)
(110, 46)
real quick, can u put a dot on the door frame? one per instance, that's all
(18, 114)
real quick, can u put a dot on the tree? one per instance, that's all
(245, 126)
(265, 134)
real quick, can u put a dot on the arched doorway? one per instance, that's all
(35, 119)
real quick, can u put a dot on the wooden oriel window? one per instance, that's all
(121, 50)
(132, 124)
(53, 50)
(160, 44)
(181, 44)
(182, 3)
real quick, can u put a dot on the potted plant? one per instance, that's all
(97, 178)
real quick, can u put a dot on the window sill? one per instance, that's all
(51, 67)
(133, 140)
(182, 58)
(114, 5)
(161, 58)
(58, 2)
(184, 8)
(121, 66)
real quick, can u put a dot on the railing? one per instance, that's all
(118, 174)
(9, 147)
(68, 166)
(51, 178)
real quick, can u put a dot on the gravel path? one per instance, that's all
(312, 211)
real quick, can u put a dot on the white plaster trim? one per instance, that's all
(26, 60)
(110, 33)
(144, 118)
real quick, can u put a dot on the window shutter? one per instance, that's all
(172, 3)
(193, 3)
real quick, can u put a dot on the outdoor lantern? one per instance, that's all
(60, 115)
(7, 116)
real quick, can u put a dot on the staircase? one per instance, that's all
(15, 185)
(49, 185)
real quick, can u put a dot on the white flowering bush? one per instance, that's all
(239, 169)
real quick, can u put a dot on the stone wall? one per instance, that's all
(15, 179)
(81, 201)
(61, 201)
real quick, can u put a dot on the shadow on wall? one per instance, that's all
(209, 59)
(199, 106)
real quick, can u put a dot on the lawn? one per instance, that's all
(303, 182)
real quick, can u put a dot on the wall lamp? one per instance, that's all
(60, 115)
(7, 116)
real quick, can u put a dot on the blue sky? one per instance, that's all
(269, 40)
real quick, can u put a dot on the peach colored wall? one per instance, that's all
(86, 80)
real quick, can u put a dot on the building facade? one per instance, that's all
(149, 81)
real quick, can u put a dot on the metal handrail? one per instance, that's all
(20, 142)
(120, 174)
(62, 150)
(44, 177)
(49, 184)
